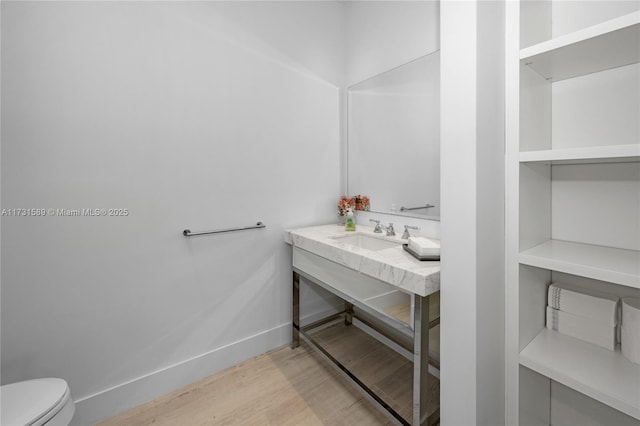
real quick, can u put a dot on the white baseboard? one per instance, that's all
(109, 402)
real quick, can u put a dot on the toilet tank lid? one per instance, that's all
(23, 403)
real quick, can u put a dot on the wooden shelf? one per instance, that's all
(598, 262)
(597, 154)
(611, 44)
(606, 376)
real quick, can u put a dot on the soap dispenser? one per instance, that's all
(351, 221)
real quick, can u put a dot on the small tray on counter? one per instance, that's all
(431, 257)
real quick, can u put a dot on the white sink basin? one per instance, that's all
(366, 241)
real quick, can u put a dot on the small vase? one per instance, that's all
(342, 219)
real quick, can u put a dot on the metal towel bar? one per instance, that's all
(188, 233)
(404, 209)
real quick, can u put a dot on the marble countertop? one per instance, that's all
(392, 265)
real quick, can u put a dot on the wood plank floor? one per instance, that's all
(402, 311)
(291, 387)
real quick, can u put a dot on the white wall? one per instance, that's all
(472, 224)
(382, 35)
(490, 244)
(458, 197)
(571, 16)
(190, 115)
(543, 19)
(596, 109)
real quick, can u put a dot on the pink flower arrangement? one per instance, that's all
(362, 202)
(345, 203)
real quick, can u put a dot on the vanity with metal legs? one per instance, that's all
(368, 300)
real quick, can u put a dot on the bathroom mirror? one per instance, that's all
(394, 139)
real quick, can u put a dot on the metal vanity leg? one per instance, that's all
(295, 312)
(421, 377)
(348, 310)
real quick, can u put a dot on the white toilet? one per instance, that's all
(36, 402)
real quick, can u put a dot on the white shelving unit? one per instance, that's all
(603, 375)
(607, 45)
(596, 154)
(553, 175)
(614, 265)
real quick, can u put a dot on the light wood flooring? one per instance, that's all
(291, 387)
(401, 311)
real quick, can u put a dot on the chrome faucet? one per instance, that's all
(406, 235)
(378, 228)
(390, 231)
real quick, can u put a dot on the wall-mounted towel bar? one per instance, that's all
(188, 233)
(404, 209)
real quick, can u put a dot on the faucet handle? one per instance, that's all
(378, 228)
(390, 230)
(406, 235)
